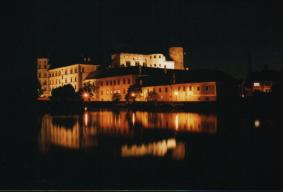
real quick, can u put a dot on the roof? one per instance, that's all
(51, 68)
(158, 76)
(189, 76)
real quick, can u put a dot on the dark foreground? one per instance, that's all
(132, 149)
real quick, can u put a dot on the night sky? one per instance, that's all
(215, 34)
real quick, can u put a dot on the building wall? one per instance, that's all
(117, 84)
(204, 91)
(57, 77)
(151, 60)
(177, 55)
(42, 74)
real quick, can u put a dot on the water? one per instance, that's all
(146, 150)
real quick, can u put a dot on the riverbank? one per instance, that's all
(247, 105)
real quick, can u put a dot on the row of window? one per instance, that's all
(44, 75)
(110, 92)
(56, 86)
(182, 88)
(66, 72)
(151, 57)
(128, 64)
(44, 66)
(56, 81)
(115, 82)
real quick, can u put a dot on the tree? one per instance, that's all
(65, 93)
(152, 96)
(90, 88)
(133, 93)
(116, 97)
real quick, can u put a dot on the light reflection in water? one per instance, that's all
(158, 148)
(76, 132)
(257, 123)
(176, 122)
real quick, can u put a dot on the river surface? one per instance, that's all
(144, 150)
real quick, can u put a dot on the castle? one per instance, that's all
(159, 79)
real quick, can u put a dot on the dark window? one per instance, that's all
(166, 89)
(101, 83)
(198, 88)
(184, 88)
(110, 82)
(154, 65)
(128, 63)
(137, 63)
(114, 82)
(118, 82)
(106, 83)
(124, 81)
(206, 88)
(154, 56)
(179, 88)
(129, 81)
(160, 90)
(144, 64)
(190, 88)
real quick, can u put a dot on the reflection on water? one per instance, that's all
(257, 123)
(190, 122)
(84, 131)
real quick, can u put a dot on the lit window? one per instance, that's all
(256, 84)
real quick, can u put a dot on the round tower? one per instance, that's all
(177, 55)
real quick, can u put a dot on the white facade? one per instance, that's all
(57, 77)
(152, 60)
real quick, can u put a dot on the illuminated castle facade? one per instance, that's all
(50, 79)
(155, 77)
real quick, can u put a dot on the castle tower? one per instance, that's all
(42, 75)
(177, 55)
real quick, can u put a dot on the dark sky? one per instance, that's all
(220, 34)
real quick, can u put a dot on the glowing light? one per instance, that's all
(85, 95)
(257, 123)
(176, 93)
(159, 148)
(133, 94)
(86, 119)
(176, 122)
(190, 93)
(256, 84)
(85, 108)
(133, 118)
(243, 96)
